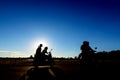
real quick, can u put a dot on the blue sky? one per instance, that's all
(62, 25)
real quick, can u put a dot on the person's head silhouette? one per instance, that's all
(86, 43)
(46, 48)
(40, 45)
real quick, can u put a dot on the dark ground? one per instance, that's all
(61, 72)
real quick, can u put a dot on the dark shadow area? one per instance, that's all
(44, 73)
(98, 65)
(94, 72)
(108, 70)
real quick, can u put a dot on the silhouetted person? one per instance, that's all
(44, 56)
(87, 53)
(86, 58)
(47, 57)
(37, 56)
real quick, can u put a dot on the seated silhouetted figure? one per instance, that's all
(47, 57)
(87, 60)
(44, 55)
(37, 56)
(87, 53)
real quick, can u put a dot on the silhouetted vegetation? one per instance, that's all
(112, 55)
(103, 56)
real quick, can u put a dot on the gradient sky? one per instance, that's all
(62, 25)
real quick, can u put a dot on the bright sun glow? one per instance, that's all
(33, 45)
(37, 42)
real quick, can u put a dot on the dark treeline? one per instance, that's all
(111, 55)
(101, 57)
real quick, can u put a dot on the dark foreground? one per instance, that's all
(61, 72)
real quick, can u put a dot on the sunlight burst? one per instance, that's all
(38, 42)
